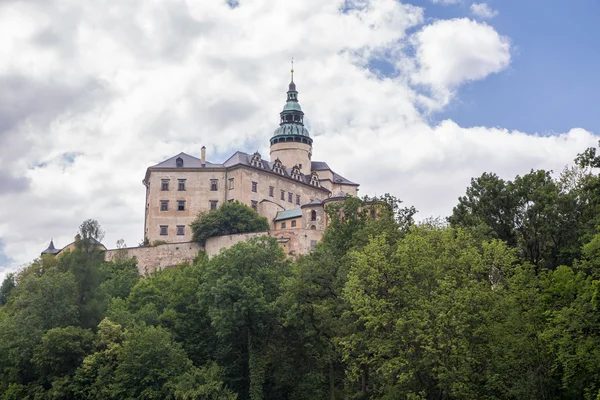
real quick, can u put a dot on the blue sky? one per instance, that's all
(553, 82)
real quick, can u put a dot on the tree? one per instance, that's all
(240, 290)
(90, 235)
(229, 219)
(60, 353)
(8, 284)
(532, 213)
(419, 309)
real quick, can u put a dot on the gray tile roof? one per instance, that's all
(318, 166)
(241, 158)
(188, 162)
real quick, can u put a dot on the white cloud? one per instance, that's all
(447, 1)
(88, 104)
(451, 52)
(483, 10)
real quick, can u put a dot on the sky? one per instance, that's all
(412, 98)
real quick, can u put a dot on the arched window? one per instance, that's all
(313, 215)
(179, 162)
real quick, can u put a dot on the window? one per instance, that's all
(298, 199)
(164, 205)
(164, 230)
(313, 228)
(254, 205)
(179, 162)
(283, 225)
(230, 201)
(283, 195)
(230, 183)
(313, 215)
(164, 184)
(300, 166)
(254, 186)
(290, 195)
(271, 190)
(373, 214)
(313, 245)
(181, 185)
(293, 223)
(214, 185)
(213, 204)
(180, 230)
(180, 205)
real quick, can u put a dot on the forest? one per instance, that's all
(498, 301)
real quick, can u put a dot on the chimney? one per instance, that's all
(203, 156)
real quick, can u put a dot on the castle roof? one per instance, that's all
(241, 158)
(188, 162)
(51, 249)
(287, 214)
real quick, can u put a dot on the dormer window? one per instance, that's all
(256, 160)
(314, 179)
(296, 173)
(278, 167)
(179, 162)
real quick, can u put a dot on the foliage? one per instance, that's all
(229, 219)
(90, 235)
(8, 284)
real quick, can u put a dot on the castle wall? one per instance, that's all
(296, 242)
(293, 241)
(197, 196)
(158, 257)
(215, 244)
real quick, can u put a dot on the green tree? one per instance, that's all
(90, 235)
(59, 354)
(240, 289)
(230, 218)
(419, 309)
(8, 284)
(149, 364)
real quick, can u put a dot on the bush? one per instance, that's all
(229, 219)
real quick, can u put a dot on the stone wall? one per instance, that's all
(158, 257)
(293, 241)
(215, 244)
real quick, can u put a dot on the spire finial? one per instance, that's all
(292, 70)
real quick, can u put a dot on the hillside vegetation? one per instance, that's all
(501, 301)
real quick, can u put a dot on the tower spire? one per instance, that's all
(292, 87)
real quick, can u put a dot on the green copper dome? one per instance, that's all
(291, 130)
(291, 124)
(292, 106)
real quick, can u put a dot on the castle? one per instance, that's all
(291, 191)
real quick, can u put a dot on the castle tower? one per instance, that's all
(291, 142)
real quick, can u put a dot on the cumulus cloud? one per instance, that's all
(451, 52)
(483, 10)
(88, 104)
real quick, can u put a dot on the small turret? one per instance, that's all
(51, 249)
